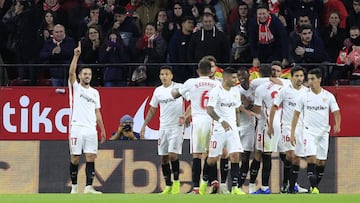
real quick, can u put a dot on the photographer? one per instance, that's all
(125, 130)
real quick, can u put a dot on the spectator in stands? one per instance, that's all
(209, 41)
(46, 28)
(267, 37)
(90, 47)
(126, 28)
(178, 47)
(24, 28)
(302, 19)
(131, 7)
(82, 17)
(343, 64)
(108, 10)
(240, 51)
(125, 130)
(173, 22)
(208, 9)
(350, 55)
(147, 11)
(333, 36)
(7, 36)
(160, 19)
(311, 7)
(151, 48)
(56, 8)
(113, 51)
(58, 50)
(310, 49)
(222, 9)
(238, 24)
(331, 6)
(93, 19)
(252, 7)
(354, 17)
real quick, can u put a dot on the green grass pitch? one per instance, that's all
(182, 198)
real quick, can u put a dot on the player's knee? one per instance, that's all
(75, 159)
(211, 161)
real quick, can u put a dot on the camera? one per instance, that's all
(127, 128)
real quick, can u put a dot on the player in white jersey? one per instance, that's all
(216, 74)
(246, 123)
(85, 104)
(170, 130)
(224, 102)
(315, 105)
(264, 96)
(286, 99)
(197, 90)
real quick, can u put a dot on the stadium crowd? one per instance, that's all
(115, 33)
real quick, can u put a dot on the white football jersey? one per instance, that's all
(197, 90)
(225, 103)
(170, 109)
(264, 97)
(84, 102)
(287, 98)
(249, 95)
(316, 108)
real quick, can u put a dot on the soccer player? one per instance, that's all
(224, 102)
(264, 96)
(85, 104)
(196, 89)
(246, 123)
(315, 105)
(170, 130)
(216, 74)
(287, 99)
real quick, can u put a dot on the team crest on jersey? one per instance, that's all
(324, 100)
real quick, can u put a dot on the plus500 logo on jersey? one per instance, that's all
(28, 116)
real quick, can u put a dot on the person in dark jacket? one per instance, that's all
(24, 26)
(310, 49)
(268, 38)
(126, 29)
(209, 41)
(178, 47)
(90, 46)
(354, 16)
(58, 50)
(112, 52)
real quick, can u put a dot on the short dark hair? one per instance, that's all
(186, 18)
(82, 67)
(119, 10)
(316, 71)
(167, 68)
(152, 24)
(263, 6)
(305, 27)
(204, 66)
(265, 70)
(229, 70)
(277, 63)
(296, 69)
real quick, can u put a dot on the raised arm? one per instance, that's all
(73, 65)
